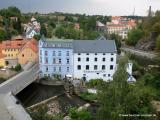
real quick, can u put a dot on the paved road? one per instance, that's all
(150, 55)
(9, 109)
(20, 81)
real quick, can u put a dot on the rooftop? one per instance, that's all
(100, 45)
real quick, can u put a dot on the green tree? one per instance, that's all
(3, 34)
(118, 97)
(134, 36)
(43, 30)
(79, 115)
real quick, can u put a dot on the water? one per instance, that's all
(36, 93)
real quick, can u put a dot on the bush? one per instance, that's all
(81, 115)
(134, 36)
(94, 83)
(88, 96)
(17, 68)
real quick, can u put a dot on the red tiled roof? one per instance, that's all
(13, 44)
(33, 44)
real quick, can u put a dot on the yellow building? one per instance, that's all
(11, 48)
(29, 53)
(2, 60)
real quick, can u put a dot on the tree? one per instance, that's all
(3, 34)
(118, 40)
(43, 30)
(79, 115)
(118, 97)
(158, 43)
(37, 37)
(52, 24)
(134, 36)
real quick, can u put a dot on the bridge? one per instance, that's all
(10, 109)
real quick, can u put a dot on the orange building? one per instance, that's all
(11, 48)
(29, 52)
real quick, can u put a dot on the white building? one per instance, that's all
(120, 26)
(91, 58)
(32, 28)
(94, 59)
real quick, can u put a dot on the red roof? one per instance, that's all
(13, 44)
(33, 44)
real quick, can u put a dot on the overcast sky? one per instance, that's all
(102, 7)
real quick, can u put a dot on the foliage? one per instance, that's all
(43, 30)
(79, 115)
(158, 43)
(136, 66)
(3, 34)
(118, 40)
(17, 68)
(37, 37)
(118, 97)
(88, 96)
(134, 36)
(94, 83)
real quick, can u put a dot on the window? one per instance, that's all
(59, 61)
(104, 59)
(40, 52)
(87, 67)
(67, 61)
(54, 61)
(67, 69)
(103, 67)
(104, 75)
(95, 53)
(87, 59)
(67, 53)
(112, 54)
(95, 59)
(54, 69)
(109, 75)
(104, 54)
(46, 60)
(79, 53)
(111, 67)
(111, 59)
(95, 67)
(46, 69)
(46, 53)
(79, 67)
(79, 59)
(59, 53)
(54, 53)
(87, 54)
(59, 69)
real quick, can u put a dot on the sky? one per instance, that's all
(91, 7)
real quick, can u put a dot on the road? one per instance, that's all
(10, 108)
(149, 55)
(20, 81)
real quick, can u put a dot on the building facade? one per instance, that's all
(55, 58)
(29, 53)
(81, 59)
(120, 26)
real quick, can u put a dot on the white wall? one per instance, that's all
(91, 73)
